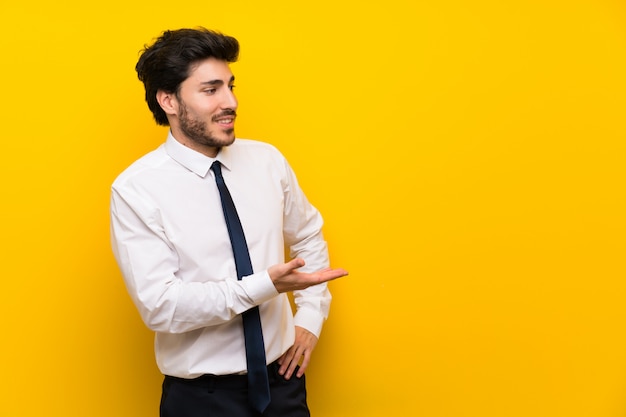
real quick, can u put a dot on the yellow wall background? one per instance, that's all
(469, 158)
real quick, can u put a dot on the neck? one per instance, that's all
(206, 150)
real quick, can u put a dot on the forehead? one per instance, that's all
(208, 70)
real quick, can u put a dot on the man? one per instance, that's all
(173, 238)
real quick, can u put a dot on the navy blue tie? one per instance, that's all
(258, 385)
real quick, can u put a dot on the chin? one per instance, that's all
(230, 138)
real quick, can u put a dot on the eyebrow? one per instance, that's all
(217, 82)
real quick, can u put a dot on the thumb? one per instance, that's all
(295, 263)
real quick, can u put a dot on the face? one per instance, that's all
(205, 108)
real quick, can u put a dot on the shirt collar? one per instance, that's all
(193, 160)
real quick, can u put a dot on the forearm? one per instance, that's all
(312, 308)
(174, 306)
(168, 299)
(313, 303)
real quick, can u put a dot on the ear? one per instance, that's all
(168, 102)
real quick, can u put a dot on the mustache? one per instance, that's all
(225, 113)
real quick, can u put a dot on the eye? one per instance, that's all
(210, 91)
(231, 87)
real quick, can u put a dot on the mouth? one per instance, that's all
(226, 121)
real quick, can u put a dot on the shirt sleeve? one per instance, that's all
(149, 265)
(303, 235)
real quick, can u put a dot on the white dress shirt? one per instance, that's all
(170, 240)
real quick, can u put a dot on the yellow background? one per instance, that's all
(469, 158)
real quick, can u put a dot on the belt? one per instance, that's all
(228, 382)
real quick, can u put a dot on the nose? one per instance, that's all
(230, 101)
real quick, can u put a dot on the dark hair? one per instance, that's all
(167, 63)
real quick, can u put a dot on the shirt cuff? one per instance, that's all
(310, 320)
(259, 287)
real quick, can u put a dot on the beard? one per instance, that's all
(198, 130)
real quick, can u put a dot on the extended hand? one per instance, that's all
(287, 278)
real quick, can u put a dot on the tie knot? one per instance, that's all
(216, 167)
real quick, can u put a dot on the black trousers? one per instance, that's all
(227, 396)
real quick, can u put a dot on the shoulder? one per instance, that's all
(255, 157)
(143, 167)
(250, 145)
(255, 152)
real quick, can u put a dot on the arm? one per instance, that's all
(150, 267)
(303, 234)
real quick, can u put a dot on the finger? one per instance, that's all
(295, 360)
(285, 361)
(331, 274)
(304, 364)
(339, 272)
(281, 360)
